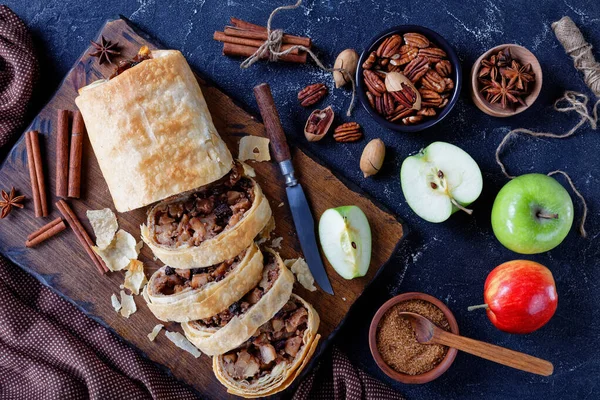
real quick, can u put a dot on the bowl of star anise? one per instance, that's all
(506, 80)
(408, 78)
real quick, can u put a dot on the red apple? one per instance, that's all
(520, 296)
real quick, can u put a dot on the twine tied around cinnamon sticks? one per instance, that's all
(271, 49)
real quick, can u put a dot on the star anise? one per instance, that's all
(9, 201)
(502, 92)
(489, 68)
(503, 57)
(105, 50)
(521, 75)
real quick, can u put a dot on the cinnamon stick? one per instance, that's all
(47, 234)
(238, 50)
(33, 177)
(44, 228)
(81, 234)
(240, 23)
(39, 171)
(262, 35)
(222, 37)
(62, 153)
(77, 132)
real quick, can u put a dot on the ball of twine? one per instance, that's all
(569, 35)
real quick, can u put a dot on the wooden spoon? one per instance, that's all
(427, 332)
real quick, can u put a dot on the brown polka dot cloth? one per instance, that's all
(335, 378)
(18, 72)
(50, 350)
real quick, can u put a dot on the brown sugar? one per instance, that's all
(398, 345)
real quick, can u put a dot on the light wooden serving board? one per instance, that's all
(62, 264)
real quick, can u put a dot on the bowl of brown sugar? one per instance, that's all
(394, 345)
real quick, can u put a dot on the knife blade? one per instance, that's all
(301, 214)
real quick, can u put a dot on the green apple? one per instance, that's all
(532, 213)
(345, 237)
(440, 180)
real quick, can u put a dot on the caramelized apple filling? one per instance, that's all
(174, 280)
(277, 341)
(143, 54)
(270, 275)
(205, 213)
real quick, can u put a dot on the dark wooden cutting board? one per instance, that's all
(62, 264)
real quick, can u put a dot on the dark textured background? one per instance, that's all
(449, 260)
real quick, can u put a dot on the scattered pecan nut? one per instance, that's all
(374, 83)
(347, 132)
(416, 40)
(312, 94)
(318, 124)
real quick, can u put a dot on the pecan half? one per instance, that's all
(432, 80)
(389, 104)
(312, 94)
(449, 84)
(430, 98)
(407, 54)
(370, 61)
(371, 99)
(434, 54)
(416, 69)
(412, 120)
(427, 112)
(389, 46)
(374, 83)
(318, 124)
(399, 113)
(348, 132)
(444, 68)
(416, 40)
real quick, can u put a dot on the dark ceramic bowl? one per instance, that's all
(441, 43)
(405, 378)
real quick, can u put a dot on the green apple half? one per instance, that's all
(345, 237)
(532, 213)
(440, 180)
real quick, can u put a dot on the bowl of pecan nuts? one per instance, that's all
(409, 78)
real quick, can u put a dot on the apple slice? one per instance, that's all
(345, 237)
(440, 180)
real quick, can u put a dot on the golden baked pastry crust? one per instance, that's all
(192, 304)
(214, 341)
(152, 133)
(224, 246)
(283, 374)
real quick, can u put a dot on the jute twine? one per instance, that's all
(271, 48)
(569, 35)
(574, 102)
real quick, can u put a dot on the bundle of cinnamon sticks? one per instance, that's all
(242, 39)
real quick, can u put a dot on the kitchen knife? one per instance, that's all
(303, 219)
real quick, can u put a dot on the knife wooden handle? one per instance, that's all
(270, 117)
